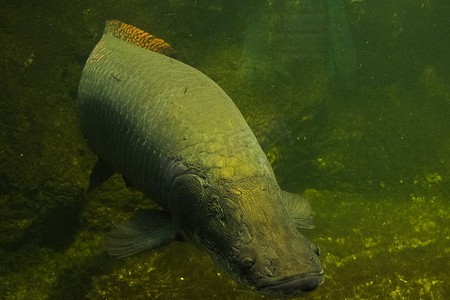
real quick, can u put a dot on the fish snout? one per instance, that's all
(289, 276)
(292, 286)
(267, 280)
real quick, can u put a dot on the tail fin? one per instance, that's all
(135, 36)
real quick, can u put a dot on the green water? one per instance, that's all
(372, 158)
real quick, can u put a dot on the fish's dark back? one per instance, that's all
(153, 118)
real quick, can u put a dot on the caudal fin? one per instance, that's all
(138, 37)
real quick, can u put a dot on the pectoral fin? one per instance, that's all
(299, 209)
(142, 232)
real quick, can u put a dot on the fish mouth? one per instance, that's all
(291, 286)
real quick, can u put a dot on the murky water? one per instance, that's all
(351, 103)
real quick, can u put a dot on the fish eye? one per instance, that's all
(316, 249)
(246, 264)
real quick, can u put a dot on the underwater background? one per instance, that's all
(349, 99)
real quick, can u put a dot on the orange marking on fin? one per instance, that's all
(143, 35)
(138, 37)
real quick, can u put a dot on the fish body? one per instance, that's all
(176, 135)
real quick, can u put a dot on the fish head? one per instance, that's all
(247, 230)
(286, 268)
(273, 257)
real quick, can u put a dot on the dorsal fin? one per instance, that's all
(135, 36)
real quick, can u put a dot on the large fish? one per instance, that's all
(176, 135)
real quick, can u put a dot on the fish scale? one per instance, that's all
(123, 118)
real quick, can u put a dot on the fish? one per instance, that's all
(174, 134)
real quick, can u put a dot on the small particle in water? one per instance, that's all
(29, 61)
